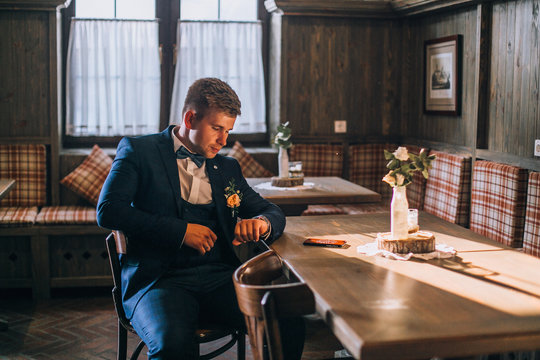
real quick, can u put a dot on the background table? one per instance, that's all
(5, 186)
(325, 190)
(484, 300)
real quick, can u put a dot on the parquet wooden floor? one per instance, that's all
(81, 324)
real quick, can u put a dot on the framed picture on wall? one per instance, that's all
(442, 72)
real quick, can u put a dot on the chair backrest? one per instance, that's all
(263, 303)
(531, 236)
(116, 244)
(319, 159)
(367, 167)
(25, 163)
(498, 198)
(448, 188)
(416, 191)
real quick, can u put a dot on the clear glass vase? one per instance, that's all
(399, 209)
(283, 163)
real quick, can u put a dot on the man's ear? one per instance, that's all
(189, 118)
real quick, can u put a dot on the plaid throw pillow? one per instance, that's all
(531, 237)
(498, 202)
(250, 167)
(26, 164)
(88, 178)
(319, 159)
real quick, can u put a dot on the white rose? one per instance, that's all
(401, 153)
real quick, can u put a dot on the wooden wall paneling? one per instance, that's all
(483, 66)
(469, 76)
(25, 89)
(532, 127)
(509, 74)
(392, 78)
(54, 148)
(496, 133)
(520, 74)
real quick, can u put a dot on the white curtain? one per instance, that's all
(113, 78)
(230, 51)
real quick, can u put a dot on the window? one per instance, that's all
(224, 10)
(165, 51)
(223, 39)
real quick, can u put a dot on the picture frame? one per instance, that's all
(442, 75)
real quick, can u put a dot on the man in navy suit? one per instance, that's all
(183, 207)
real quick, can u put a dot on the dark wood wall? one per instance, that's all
(340, 69)
(514, 116)
(455, 130)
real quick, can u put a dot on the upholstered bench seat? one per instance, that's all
(13, 216)
(51, 215)
(356, 209)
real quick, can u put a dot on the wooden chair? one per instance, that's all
(116, 244)
(263, 303)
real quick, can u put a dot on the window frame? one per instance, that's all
(168, 13)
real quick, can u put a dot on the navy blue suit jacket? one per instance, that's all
(141, 197)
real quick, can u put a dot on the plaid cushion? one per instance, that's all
(17, 216)
(318, 159)
(67, 215)
(250, 167)
(26, 164)
(355, 209)
(368, 167)
(531, 236)
(323, 210)
(448, 188)
(88, 178)
(417, 189)
(498, 202)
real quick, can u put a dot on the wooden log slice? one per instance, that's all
(417, 243)
(287, 182)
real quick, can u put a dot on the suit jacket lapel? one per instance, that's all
(166, 150)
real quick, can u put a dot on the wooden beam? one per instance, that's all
(41, 5)
(341, 8)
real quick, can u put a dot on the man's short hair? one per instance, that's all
(214, 94)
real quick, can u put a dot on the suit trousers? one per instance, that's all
(168, 315)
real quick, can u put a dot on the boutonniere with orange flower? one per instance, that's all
(233, 197)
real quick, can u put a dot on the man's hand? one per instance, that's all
(249, 230)
(200, 238)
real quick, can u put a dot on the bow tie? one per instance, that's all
(183, 153)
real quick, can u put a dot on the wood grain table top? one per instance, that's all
(486, 299)
(5, 186)
(319, 190)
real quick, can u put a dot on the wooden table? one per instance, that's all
(324, 190)
(5, 186)
(484, 300)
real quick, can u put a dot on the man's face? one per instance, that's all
(209, 134)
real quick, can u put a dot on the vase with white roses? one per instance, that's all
(402, 165)
(283, 141)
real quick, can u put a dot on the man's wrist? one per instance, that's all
(268, 227)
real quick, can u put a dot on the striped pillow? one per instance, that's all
(531, 236)
(498, 202)
(88, 178)
(448, 188)
(250, 167)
